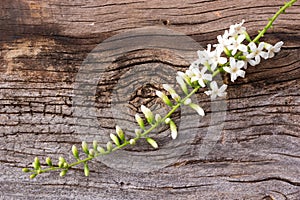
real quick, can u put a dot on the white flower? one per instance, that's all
(223, 40)
(256, 52)
(273, 49)
(236, 44)
(200, 76)
(215, 91)
(204, 56)
(215, 58)
(235, 69)
(237, 29)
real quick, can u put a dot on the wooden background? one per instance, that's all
(43, 44)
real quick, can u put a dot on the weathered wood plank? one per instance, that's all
(43, 45)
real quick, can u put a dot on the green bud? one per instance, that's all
(65, 165)
(173, 130)
(75, 152)
(139, 121)
(138, 132)
(152, 142)
(182, 84)
(49, 162)
(157, 118)
(167, 121)
(197, 108)
(32, 176)
(63, 172)
(187, 101)
(61, 159)
(148, 114)
(60, 164)
(95, 145)
(164, 97)
(115, 139)
(109, 146)
(85, 147)
(132, 141)
(120, 133)
(36, 164)
(169, 89)
(92, 152)
(101, 150)
(26, 170)
(86, 169)
(186, 78)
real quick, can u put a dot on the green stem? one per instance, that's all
(280, 11)
(126, 143)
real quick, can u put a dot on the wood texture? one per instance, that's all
(43, 44)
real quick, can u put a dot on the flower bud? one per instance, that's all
(48, 161)
(26, 170)
(185, 77)
(32, 176)
(115, 139)
(138, 132)
(61, 159)
(95, 145)
(120, 133)
(176, 97)
(132, 141)
(85, 147)
(188, 101)
(65, 165)
(157, 118)
(139, 121)
(36, 164)
(101, 150)
(92, 152)
(168, 88)
(167, 121)
(182, 84)
(152, 142)
(86, 169)
(173, 130)
(75, 152)
(148, 114)
(164, 97)
(63, 173)
(109, 146)
(197, 108)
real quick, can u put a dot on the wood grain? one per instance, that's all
(43, 44)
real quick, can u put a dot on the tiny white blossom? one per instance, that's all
(204, 56)
(200, 76)
(215, 58)
(236, 44)
(215, 91)
(235, 69)
(257, 52)
(273, 49)
(237, 29)
(223, 40)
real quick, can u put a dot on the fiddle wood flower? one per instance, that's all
(256, 52)
(215, 91)
(273, 49)
(235, 69)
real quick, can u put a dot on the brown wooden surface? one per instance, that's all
(43, 44)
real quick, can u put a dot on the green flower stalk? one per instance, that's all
(198, 75)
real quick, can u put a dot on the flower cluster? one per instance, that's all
(231, 55)
(234, 51)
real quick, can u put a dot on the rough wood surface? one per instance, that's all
(43, 44)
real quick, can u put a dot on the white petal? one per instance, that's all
(252, 46)
(252, 62)
(261, 46)
(241, 38)
(227, 69)
(241, 73)
(207, 77)
(223, 88)
(264, 54)
(240, 64)
(208, 92)
(232, 61)
(243, 48)
(222, 60)
(214, 85)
